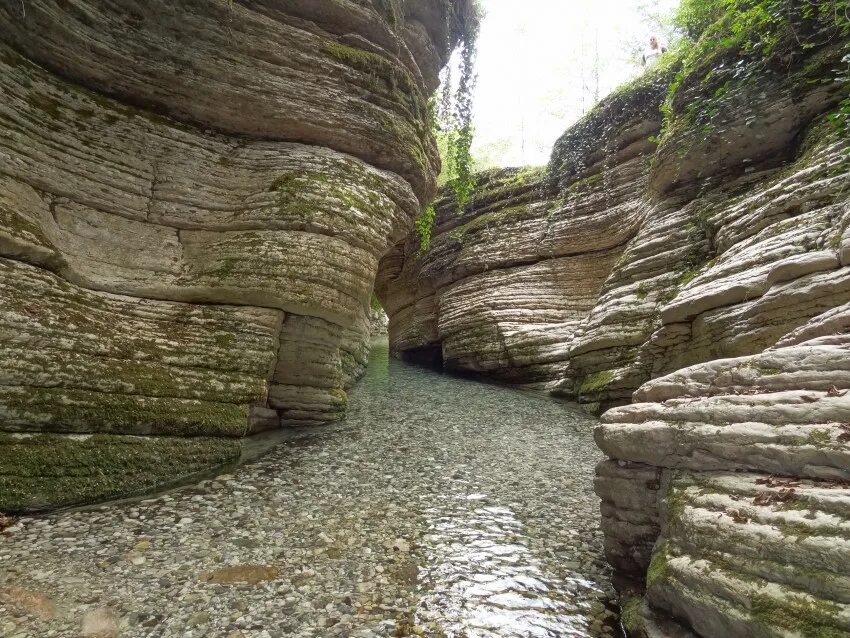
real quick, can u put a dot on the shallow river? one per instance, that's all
(441, 507)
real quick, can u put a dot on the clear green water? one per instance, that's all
(440, 507)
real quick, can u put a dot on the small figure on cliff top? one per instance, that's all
(653, 52)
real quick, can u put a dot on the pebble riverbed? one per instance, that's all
(441, 507)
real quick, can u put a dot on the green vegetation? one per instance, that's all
(675, 503)
(424, 228)
(393, 13)
(658, 75)
(766, 29)
(451, 113)
(375, 303)
(75, 409)
(802, 615)
(720, 34)
(658, 565)
(52, 470)
(596, 382)
(819, 438)
(586, 183)
(630, 614)
(688, 275)
(629, 102)
(840, 118)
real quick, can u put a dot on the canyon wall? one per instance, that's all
(194, 199)
(693, 270)
(622, 261)
(508, 283)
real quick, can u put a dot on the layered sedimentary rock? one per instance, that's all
(700, 271)
(726, 500)
(729, 500)
(194, 199)
(508, 281)
(622, 261)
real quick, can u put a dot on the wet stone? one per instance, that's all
(441, 507)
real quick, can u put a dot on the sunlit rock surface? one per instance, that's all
(194, 199)
(702, 273)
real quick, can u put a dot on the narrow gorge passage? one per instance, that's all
(440, 507)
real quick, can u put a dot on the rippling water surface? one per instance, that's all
(441, 507)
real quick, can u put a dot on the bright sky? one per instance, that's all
(535, 68)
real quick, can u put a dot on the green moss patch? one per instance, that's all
(47, 470)
(630, 615)
(596, 382)
(69, 410)
(658, 565)
(801, 615)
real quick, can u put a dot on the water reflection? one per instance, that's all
(483, 581)
(510, 546)
(440, 507)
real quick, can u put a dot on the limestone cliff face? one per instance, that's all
(508, 284)
(194, 198)
(622, 261)
(729, 499)
(706, 279)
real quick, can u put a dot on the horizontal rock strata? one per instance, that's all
(729, 500)
(693, 275)
(617, 264)
(507, 283)
(194, 201)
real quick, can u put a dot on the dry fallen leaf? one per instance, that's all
(6, 521)
(738, 517)
(247, 574)
(769, 498)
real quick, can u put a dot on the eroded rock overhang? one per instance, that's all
(194, 198)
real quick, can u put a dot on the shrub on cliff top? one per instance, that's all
(770, 26)
(778, 34)
(751, 19)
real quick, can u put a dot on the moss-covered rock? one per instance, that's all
(188, 250)
(45, 471)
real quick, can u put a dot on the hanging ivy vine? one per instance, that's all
(451, 110)
(840, 118)
(458, 116)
